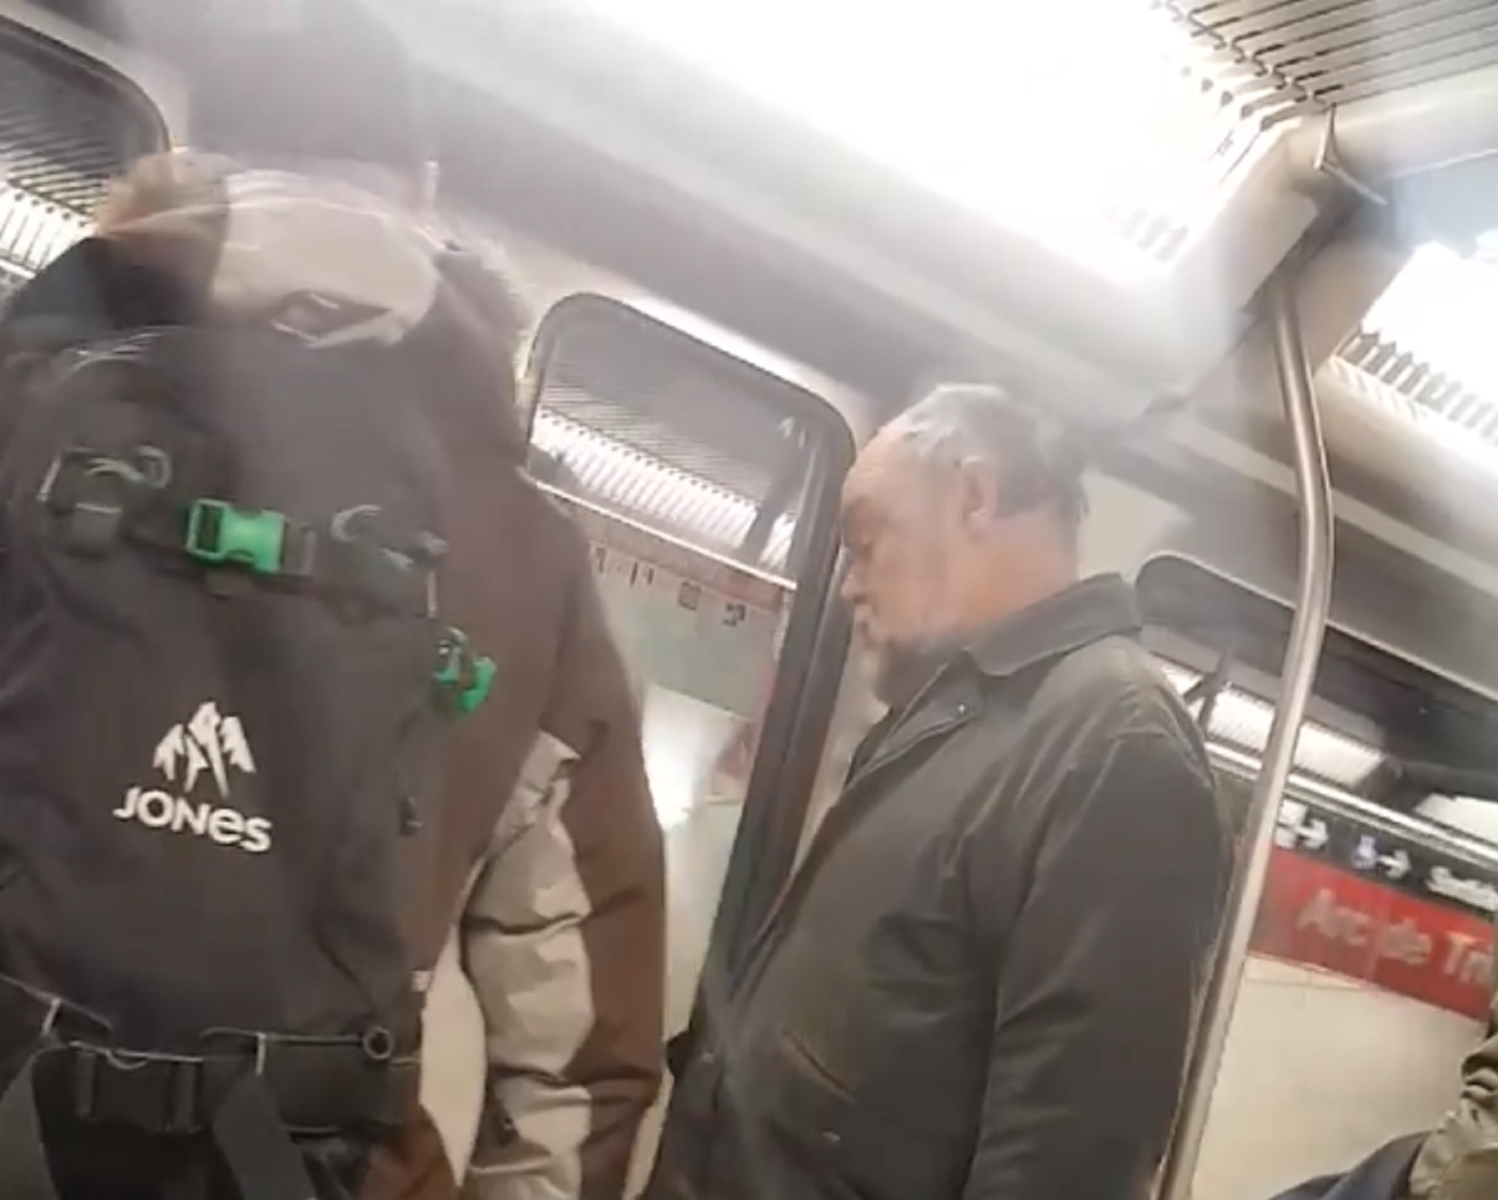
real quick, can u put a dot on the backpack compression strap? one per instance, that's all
(99, 500)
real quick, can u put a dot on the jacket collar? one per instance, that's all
(1096, 608)
(952, 692)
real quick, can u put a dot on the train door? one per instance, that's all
(707, 488)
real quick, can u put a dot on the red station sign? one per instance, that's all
(1425, 933)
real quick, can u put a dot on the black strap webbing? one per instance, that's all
(24, 1173)
(260, 1157)
(316, 562)
(247, 1131)
(98, 500)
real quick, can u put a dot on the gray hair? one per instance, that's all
(1034, 463)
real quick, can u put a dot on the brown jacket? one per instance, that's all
(549, 890)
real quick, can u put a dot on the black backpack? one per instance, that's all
(223, 681)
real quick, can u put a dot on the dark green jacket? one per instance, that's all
(980, 983)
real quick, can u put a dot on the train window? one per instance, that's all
(1390, 741)
(67, 126)
(1373, 906)
(700, 481)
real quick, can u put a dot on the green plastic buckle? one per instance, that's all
(478, 690)
(219, 533)
(465, 679)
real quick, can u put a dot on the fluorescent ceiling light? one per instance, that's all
(34, 232)
(647, 489)
(1477, 817)
(1322, 757)
(1443, 308)
(1243, 721)
(1050, 118)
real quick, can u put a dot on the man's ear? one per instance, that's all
(977, 499)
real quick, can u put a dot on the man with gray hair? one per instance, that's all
(980, 983)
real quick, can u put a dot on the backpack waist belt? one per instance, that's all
(251, 1103)
(314, 1086)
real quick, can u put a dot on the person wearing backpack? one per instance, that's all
(301, 680)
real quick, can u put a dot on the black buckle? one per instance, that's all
(155, 1093)
(92, 494)
(371, 525)
(362, 580)
(376, 563)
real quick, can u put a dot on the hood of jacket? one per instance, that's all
(186, 235)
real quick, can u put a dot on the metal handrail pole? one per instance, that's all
(1297, 675)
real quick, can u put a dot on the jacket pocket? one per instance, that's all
(809, 1067)
(810, 1108)
(859, 1135)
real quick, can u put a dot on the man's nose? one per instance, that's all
(851, 586)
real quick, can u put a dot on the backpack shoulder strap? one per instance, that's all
(95, 289)
(91, 292)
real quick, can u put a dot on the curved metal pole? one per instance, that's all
(1298, 674)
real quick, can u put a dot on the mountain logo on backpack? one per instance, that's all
(214, 745)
